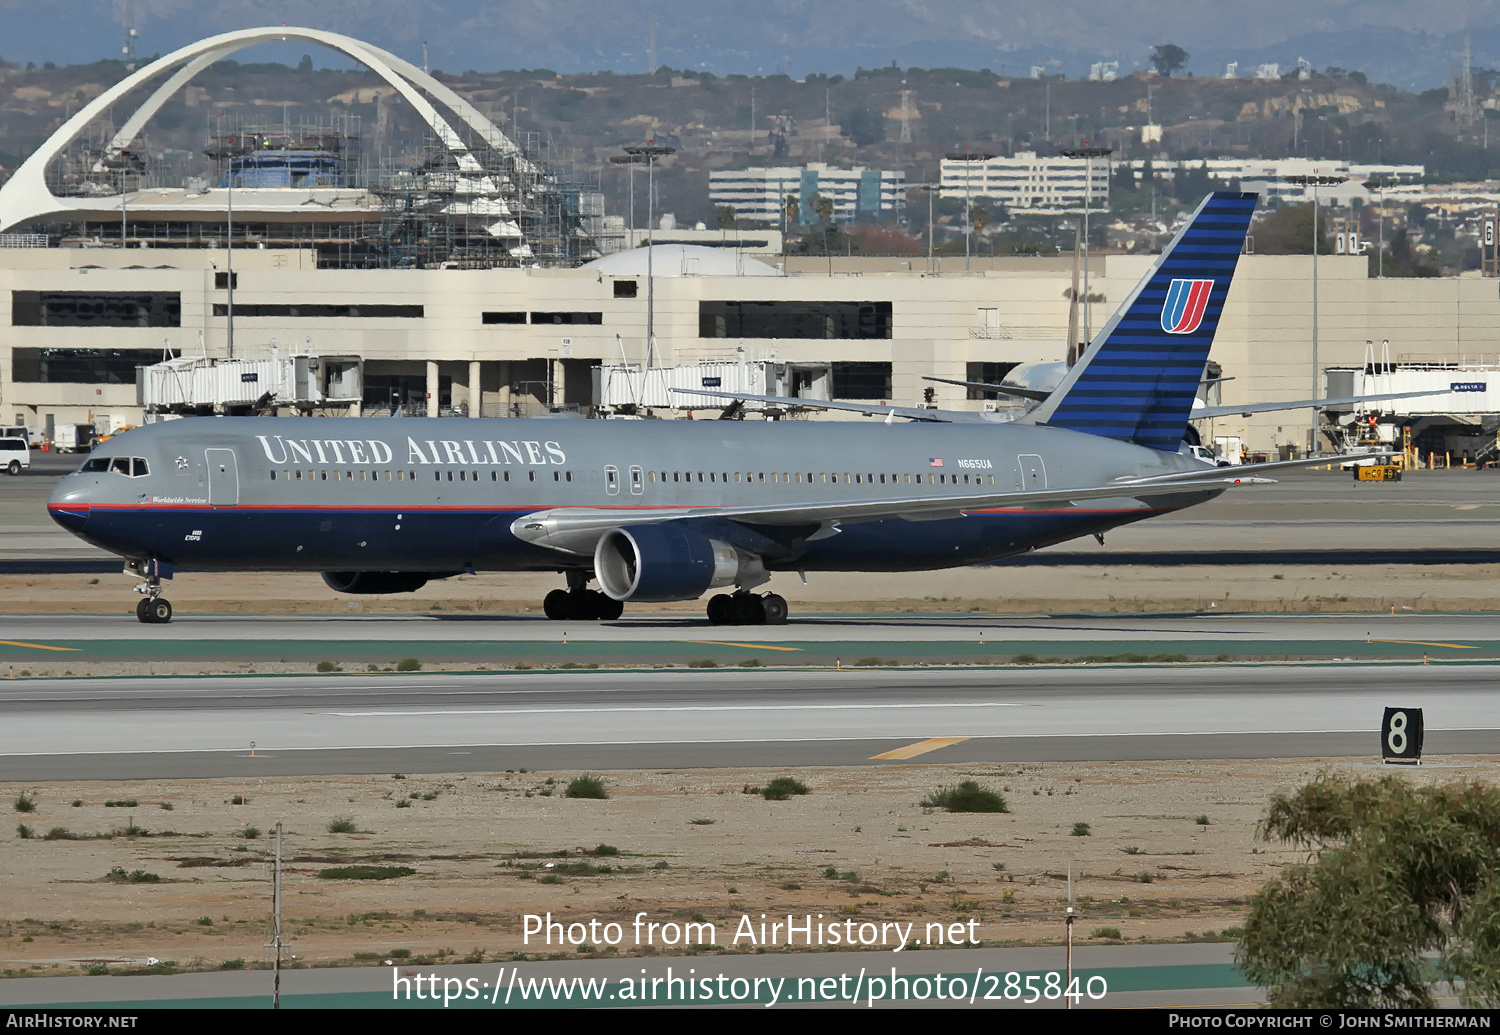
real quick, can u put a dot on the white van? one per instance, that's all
(15, 455)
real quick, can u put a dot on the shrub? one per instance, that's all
(234, 964)
(606, 850)
(780, 789)
(60, 834)
(1112, 933)
(166, 806)
(78, 803)
(830, 873)
(126, 803)
(119, 876)
(250, 833)
(25, 803)
(1082, 830)
(1203, 821)
(24, 832)
(701, 822)
(751, 663)
(586, 786)
(404, 803)
(1147, 877)
(408, 665)
(968, 796)
(343, 825)
(204, 921)
(239, 799)
(328, 666)
(703, 663)
(365, 872)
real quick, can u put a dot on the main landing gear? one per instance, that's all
(747, 609)
(578, 603)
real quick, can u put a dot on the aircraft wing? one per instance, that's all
(867, 409)
(1035, 394)
(576, 530)
(1299, 404)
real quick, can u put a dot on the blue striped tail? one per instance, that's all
(1137, 381)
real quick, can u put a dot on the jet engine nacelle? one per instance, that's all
(667, 562)
(377, 581)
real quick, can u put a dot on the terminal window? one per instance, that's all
(861, 380)
(737, 319)
(567, 318)
(95, 309)
(316, 309)
(80, 366)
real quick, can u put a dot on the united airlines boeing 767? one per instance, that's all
(669, 510)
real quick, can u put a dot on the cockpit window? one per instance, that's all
(129, 466)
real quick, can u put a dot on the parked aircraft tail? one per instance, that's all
(1138, 378)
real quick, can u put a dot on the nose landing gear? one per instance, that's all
(155, 609)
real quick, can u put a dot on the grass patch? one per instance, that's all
(586, 786)
(1203, 821)
(752, 663)
(968, 796)
(24, 832)
(702, 822)
(118, 875)
(25, 803)
(1111, 933)
(606, 850)
(123, 803)
(403, 803)
(234, 964)
(250, 833)
(780, 789)
(328, 666)
(343, 825)
(408, 665)
(1082, 830)
(365, 872)
(703, 663)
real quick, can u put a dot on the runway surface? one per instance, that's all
(186, 727)
(503, 642)
(1123, 976)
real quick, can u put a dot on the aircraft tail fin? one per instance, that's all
(1137, 380)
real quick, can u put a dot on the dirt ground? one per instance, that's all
(1120, 588)
(191, 886)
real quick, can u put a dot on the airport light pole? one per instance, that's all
(1315, 181)
(1088, 154)
(968, 154)
(648, 153)
(1380, 183)
(929, 189)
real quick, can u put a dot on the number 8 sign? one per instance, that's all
(1401, 736)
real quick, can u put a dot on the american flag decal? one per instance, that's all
(935, 462)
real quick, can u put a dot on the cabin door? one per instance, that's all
(1032, 471)
(223, 478)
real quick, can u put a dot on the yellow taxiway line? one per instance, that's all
(1424, 643)
(35, 646)
(921, 747)
(751, 646)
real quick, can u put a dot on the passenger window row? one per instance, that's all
(678, 477)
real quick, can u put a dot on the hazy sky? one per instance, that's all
(1391, 39)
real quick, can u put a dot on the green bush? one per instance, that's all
(1204, 821)
(25, 803)
(328, 666)
(606, 850)
(1082, 830)
(780, 789)
(365, 872)
(703, 663)
(250, 833)
(125, 803)
(24, 832)
(343, 825)
(1106, 932)
(586, 786)
(968, 796)
(408, 665)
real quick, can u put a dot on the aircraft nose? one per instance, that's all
(69, 505)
